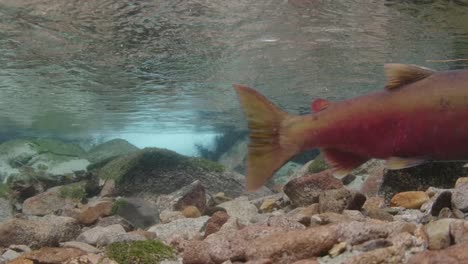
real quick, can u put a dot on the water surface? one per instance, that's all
(99, 68)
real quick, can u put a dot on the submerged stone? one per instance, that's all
(110, 149)
(154, 171)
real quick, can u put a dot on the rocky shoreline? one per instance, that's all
(118, 204)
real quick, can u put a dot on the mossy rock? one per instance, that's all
(4, 190)
(140, 252)
(73, 191)
(118, 205)
(58, 147)
(318, 165)
(162, 171)
(49, 155)
(109, 150)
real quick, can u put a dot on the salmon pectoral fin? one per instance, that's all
(342, 162)
(270, 145)
(396, 163)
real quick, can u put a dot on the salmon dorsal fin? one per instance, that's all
(319, 104)
(402, 74)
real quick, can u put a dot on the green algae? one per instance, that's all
(75, 191)
(318, 164)
(4, 190)
(205, 164)
(141, 252)
(117, 206)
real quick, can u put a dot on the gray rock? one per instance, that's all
(110, 149)
(6, 210)
(460, 197)
(438, 233)
(20, 248)
(109, 238)
(138, 212)
(113, 220)
(81, 246)
(241, 208)
(188, 228)
(167, 216)
(93, 235)
(413, 216)
(39, 231)
(10, 254)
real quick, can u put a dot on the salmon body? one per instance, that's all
(421, 115)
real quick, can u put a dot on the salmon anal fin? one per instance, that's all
(395, 163)
(319, 104)
(401, 74)
(342, 162)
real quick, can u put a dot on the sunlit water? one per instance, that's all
(161, 72)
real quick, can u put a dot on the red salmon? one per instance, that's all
(421, 115)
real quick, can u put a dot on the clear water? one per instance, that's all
(160, 72)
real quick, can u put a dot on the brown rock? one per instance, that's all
(305, 190)
(21, 260)
(374, 202)
(196, 252)
(456, 254)
(191, 212)
(268, 205)
(45, 203)
(459, 231)
(303, 214)
(337, 249)
(376, 171)
(53, 255)
(372, 245)
(377, 213)
(45, 231)
(307, 261)
(338, 200)
(358, 232)
(226, 244)
(387, 255)
(258, 261)
(87, 259)
(148, 235)
(409, 200)
(293, 245)
(91, 213)
(283, 222)
(189, 195)
(460, 197)
(108, 189)
(215, 223)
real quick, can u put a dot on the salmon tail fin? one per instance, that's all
(270, 144)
